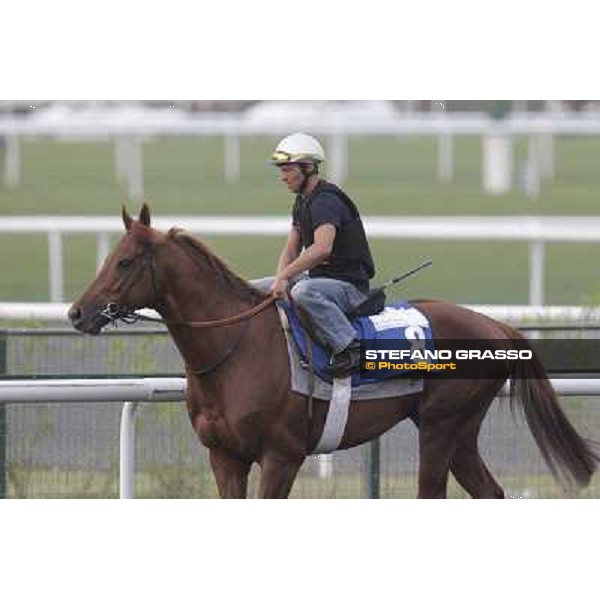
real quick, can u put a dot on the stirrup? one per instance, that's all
(346, 362)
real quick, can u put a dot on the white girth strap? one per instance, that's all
(337, 416)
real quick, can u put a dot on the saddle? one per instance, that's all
(396, 324)
(373, 305)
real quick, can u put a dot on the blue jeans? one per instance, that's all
(325, 301)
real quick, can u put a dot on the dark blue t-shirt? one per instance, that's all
(350, 258)
(325, 208)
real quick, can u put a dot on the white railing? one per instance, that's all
(536, 231)
(131, 392)
(135, 391)
(57, 311)
(129, 135)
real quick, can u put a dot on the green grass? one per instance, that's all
(392, 175)
(165, 481)
(465, 272)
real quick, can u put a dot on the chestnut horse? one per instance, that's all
(238, 394)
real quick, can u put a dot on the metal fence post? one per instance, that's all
(536, 272)
(337, 165)
(102, 248)
(56, 266)
(135, 169)
(232, 157)
(12, 162)
(3, 424)
(127, 451)
(373, 469)
(445, 157)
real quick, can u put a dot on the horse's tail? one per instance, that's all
(569, 457)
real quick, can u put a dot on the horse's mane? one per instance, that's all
(200, 251)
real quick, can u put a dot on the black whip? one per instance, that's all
(375, 300)
(395, 280)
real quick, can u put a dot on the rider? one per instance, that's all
(331, 276)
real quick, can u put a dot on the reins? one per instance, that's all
(113, 312)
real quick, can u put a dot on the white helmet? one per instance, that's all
(298, 148)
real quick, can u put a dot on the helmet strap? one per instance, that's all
(307, 174)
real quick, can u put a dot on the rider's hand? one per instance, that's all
(279, 287)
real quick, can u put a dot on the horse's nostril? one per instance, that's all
(75, 313)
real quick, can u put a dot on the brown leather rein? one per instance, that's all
(270, 299)
(113, 313)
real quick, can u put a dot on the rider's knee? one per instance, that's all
(262, 284)
(303, 292)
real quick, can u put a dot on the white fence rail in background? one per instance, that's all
(534, 230)
(129, 135)
(57, 311)
(131, 392)
(134, 391)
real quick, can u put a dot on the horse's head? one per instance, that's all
(126, 281)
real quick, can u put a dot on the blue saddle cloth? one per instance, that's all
(397, 326)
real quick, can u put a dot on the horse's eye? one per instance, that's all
(124, 263)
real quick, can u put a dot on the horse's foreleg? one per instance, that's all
(277, 475)
(231, 473)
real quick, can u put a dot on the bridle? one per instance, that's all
(115, 313)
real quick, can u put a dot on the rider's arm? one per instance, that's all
(290, 251)
(324, 235)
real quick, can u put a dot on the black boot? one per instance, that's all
(347, 361)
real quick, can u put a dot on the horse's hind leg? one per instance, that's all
(444, 415)
(468, 466)
(463, 460)
(437, 444)
(470, 471)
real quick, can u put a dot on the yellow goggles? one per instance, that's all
(281, 157)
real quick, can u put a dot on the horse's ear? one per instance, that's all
(127, 220)
(145, 215)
